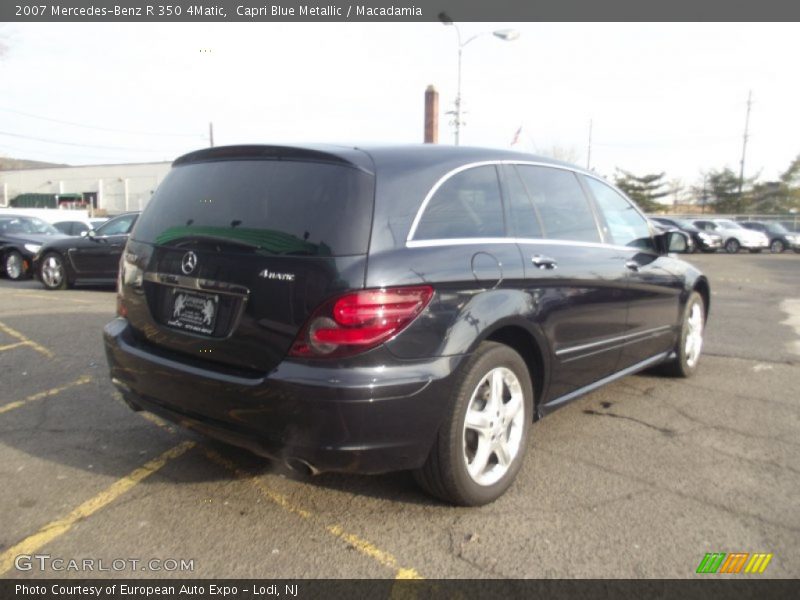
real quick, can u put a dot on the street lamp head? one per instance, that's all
(444, 18)
(507, 35)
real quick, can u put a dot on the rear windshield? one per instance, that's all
(278, 207)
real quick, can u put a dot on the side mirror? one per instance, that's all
(677, 241)
(90, 234)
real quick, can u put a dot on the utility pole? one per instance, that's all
(744, 143)
(211, 134)
(704, 199)
(589, 150)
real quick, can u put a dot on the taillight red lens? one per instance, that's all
(360, 320)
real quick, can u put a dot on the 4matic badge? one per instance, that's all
(267, 274)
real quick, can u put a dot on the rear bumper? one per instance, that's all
(365, 420)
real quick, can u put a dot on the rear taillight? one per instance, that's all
(359, 321)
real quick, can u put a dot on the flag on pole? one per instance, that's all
(516, 136)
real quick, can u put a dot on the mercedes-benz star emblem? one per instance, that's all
(188, 262)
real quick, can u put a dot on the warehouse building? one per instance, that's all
(104, 189)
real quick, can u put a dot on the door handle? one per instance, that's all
(544, 262)
(632, 265)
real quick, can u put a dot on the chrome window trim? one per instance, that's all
(513, 240)
(412, 243)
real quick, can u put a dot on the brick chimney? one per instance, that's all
(431, 115)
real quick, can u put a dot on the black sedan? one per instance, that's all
(780, 238)
(92, 259)
(21, 237)
(707, 241)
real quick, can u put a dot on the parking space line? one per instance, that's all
(22, 338)
(59, 527)
(12, 346)
(58, 297)
(83, 379)
(361, 545)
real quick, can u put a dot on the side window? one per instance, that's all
(466, 206)
(524, 220)
(558, 199)
(625, 225)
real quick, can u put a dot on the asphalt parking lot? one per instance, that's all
(639, 479)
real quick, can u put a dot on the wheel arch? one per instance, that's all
(702, 287)
(529, 343)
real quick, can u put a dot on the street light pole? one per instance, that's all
(458, 89)
(506, 35)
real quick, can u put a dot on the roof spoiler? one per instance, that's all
(259, 152)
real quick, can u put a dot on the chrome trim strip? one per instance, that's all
(195, 283)
(513, 240)
(560, 401)
(620, 338)
(410, 237)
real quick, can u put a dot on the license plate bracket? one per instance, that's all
(193, 312)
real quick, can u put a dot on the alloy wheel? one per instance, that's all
(14, 267)
(493, 426)
(694, 335)
(52, 271)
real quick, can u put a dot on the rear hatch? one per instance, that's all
(239, 245)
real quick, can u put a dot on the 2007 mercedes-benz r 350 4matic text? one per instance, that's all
(378, 309)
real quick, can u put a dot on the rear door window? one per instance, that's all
(562, 207)
(524, 220)
(467, 205)
(274, 206)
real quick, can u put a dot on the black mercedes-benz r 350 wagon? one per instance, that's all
(378, 309)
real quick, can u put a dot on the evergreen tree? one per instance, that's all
(643, 189)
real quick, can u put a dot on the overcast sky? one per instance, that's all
(662, 97)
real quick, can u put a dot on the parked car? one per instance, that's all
(780, 238)
(381, 309)
(91, 260)
(95, 222)
(20, 239)
(707, 241)
(72, 227)
(736, 237)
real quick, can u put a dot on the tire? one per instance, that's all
(732, 246)
(465, 465)
(52, 272)
(777, 247)
(14, 265)
(690, 342)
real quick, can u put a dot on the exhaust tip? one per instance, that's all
(300, 466)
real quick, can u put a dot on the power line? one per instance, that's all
(26, 114)
(48, 141)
